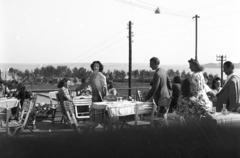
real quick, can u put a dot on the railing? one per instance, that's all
(121, 91)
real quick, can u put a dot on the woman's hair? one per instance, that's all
(177, 79)
(196, 64)
(62, 82)
(189, 87)
(214, 81)
(100, 65)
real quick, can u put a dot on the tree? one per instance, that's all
(183, 74)
(177, 73)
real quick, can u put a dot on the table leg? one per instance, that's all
(53, 115)
(7, 115)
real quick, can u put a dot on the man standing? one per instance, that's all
(160, 84)
(230, 92)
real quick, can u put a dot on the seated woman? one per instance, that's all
(63, 90)
(191, 104)
(216, 84)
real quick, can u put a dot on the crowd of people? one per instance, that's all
(191, 97)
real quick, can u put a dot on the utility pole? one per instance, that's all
(196, 17)
(130, 57)
(221, 58)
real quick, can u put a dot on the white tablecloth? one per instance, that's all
(9, 103)
(120, 108)
(233, 119)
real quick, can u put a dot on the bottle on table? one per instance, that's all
(224, 110)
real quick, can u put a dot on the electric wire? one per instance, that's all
(101, 50)
(97, 45)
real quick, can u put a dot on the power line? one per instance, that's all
(101, 50)
(200, 30)
(112, 51)
(163, 28)
(209, 5)
(96, 46)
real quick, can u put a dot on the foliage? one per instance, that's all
(49, 73)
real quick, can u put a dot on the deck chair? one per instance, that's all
(143, 108)
(82, 111)
(53, 96)
(71, 119)
(17, 126)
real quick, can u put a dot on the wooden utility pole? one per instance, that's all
(221, 58)
(196, 17)
(130, 58)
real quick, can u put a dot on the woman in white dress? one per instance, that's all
(203, 89)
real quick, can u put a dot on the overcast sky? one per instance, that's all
(68, 31)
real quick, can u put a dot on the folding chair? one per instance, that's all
(53, 96)
(17, 126)
(71, 119)
(143, 108)
(82, 110)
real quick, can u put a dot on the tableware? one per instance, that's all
(224, 110)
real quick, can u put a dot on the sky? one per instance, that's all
(82, 31)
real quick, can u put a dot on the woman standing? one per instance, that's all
(98, 82)
(197, 75)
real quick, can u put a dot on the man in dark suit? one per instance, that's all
(230, 92)
(160, 84)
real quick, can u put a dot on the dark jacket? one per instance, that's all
(161, 86)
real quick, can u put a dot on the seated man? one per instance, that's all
(230, 92)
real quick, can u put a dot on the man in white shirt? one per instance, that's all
(230, 92)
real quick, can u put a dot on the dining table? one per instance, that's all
(116, 109)
(8, 103)
(232, 119)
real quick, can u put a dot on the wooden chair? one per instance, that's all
(160, 119)
(82, 111)
(17, 126)
(139, 110)
(53, 96)
(62, 109)
(70, 116)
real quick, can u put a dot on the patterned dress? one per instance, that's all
(191, 108)
(202, 88)
(99, 89)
